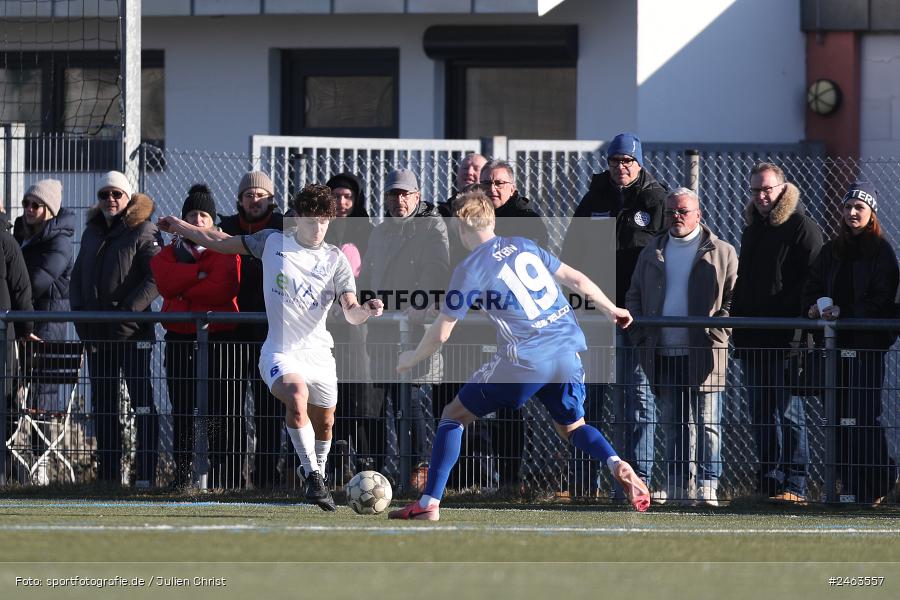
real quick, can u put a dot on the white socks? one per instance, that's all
(322, 449)
(304, 440)
(612, 462)
(426, 501)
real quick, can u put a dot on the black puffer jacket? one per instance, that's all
(15, 288)
(863, 284)
(112, 270)
(638, 211)
(250, 297)
(49, 259)
(508, 226)
(776, 255)
(356, 228)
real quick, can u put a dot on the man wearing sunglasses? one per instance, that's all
(628, 194)
(688, 272)
(112, 273)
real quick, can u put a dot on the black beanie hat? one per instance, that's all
(199, 198)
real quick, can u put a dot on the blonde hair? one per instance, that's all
(474, 210)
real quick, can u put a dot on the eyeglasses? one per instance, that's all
(255, 195)
(497, 183)
(765, 190)
(625, 161)
(26, 204)
(105, 194)
(400, 193)
(678, 212)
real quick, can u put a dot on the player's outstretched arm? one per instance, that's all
(438, 333)
(581, 283)
(213, 239)
(356, 313)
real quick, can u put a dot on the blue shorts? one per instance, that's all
(557, 382)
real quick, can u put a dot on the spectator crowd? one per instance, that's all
(668, 262)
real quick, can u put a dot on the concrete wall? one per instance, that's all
(720, 71)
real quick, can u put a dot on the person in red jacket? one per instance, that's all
(191, 278)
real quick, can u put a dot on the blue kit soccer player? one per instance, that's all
(515, 282)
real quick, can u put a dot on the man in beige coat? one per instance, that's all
(686, 272)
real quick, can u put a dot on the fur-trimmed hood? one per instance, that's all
(786, 206)
(139, 209)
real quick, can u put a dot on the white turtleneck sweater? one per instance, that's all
(679, 254)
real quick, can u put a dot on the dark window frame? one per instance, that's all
(455, 112)
(298, 64)
(89, 153)
(494, 47)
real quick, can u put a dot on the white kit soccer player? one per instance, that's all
(302, 277)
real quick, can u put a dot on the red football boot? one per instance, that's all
(415, 512)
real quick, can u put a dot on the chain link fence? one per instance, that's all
(556, 182)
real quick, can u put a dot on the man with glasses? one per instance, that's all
(408, 252)
(256, 211)
(778, 245)
(629, 194)
(515, 216)
(499, 181)
(688, 272)
(112, 273)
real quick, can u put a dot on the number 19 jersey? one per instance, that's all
(511, 279)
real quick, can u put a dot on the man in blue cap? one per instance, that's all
(629, 194)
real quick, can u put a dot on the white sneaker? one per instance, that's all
(659, 497)
(706, 496)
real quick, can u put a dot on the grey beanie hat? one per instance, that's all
(49, 192)
(256, 179)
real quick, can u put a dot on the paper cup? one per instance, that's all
(823, 303)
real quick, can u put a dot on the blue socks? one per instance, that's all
(589, 440)
(444, 454)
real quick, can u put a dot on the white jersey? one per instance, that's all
(299, 286)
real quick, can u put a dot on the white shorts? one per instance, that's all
(315, 365)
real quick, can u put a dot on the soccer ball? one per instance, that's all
(369, 493)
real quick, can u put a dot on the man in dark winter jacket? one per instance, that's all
(630, 195)
(256, 210)
(112, 273)
(407, 252)
(467, 173)
(15, 288)
(516, 216)
(500, 183)
(778, 246)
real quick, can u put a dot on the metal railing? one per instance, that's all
(531, 459)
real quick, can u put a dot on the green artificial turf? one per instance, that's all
(566, 551)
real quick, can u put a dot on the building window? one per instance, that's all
(78, 93)
(346, 93)
(517, 81)
(519, 102)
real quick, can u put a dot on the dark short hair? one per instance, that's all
(314, 201)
